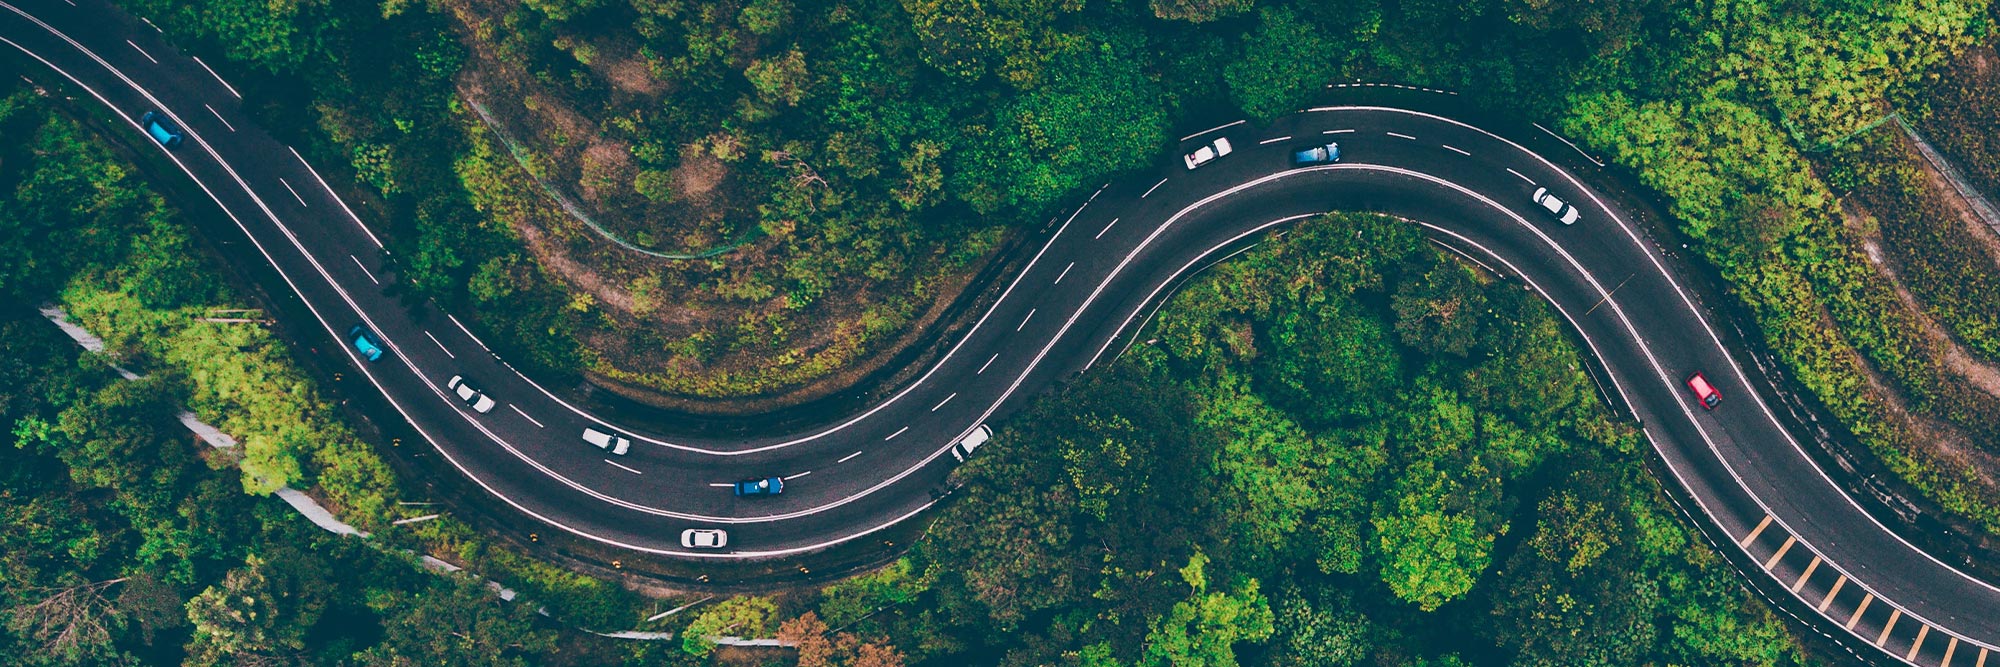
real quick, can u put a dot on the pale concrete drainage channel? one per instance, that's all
(319, 515)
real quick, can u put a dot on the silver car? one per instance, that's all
(1557, 207)
(480, 402)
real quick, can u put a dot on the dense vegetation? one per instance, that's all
(131, 542)
(1346, 449)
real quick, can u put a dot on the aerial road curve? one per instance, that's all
(1079, 300)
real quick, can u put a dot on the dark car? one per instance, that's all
(769, 486)
(1311, 155)
(1704, 392)
(365, 342)
(161, 129)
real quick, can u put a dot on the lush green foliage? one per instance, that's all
(1182, 507)
(132, 542)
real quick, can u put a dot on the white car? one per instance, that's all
(1557, 207)
(704, 538)
(480, 402)
(617, 444)
(1208, 153)
(972, 441)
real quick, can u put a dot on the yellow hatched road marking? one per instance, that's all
(1787, 546)
(1883, 638)
(1801, 583)
(1856, 618)
(1982, 658)
(1948, 650)
(1828, 601)
(1754, 532)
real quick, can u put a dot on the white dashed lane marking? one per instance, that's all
(1156, 186)
(1336, 131)
(622, 467)
(1524, 177)
(947, 399)
(1100, 233)
(1403, 136)
(1273, 140)
(1454, 149)
(135, 47)
(524, 415)
(989, 362)
(295, 193)
(845, 459)
(1024, 320)
(364, 269)
(211, 72)
(434, 339)
(793, 477)
(218, 116)
(1065, 272)
(898, 432)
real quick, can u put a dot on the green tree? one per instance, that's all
(742, 616)
(1203, 630)
(1286, 60)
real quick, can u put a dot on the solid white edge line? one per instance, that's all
(1212, 129)
(524, 415)
(1735, 366)
(434, 339)
(623, 467)
(336, 197)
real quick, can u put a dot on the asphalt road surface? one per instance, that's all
(1078, 302)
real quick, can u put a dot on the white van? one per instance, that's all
(616, 443)
(971, 441)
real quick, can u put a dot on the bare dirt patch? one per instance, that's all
(1961, 363)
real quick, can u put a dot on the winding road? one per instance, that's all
(1077, 302)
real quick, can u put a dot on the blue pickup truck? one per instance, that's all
(161, 129)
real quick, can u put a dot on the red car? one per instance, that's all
(1704, 392)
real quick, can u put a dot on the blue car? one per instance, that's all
(769, 486)
(161, 129)
(1311, 155)
(365, 342)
